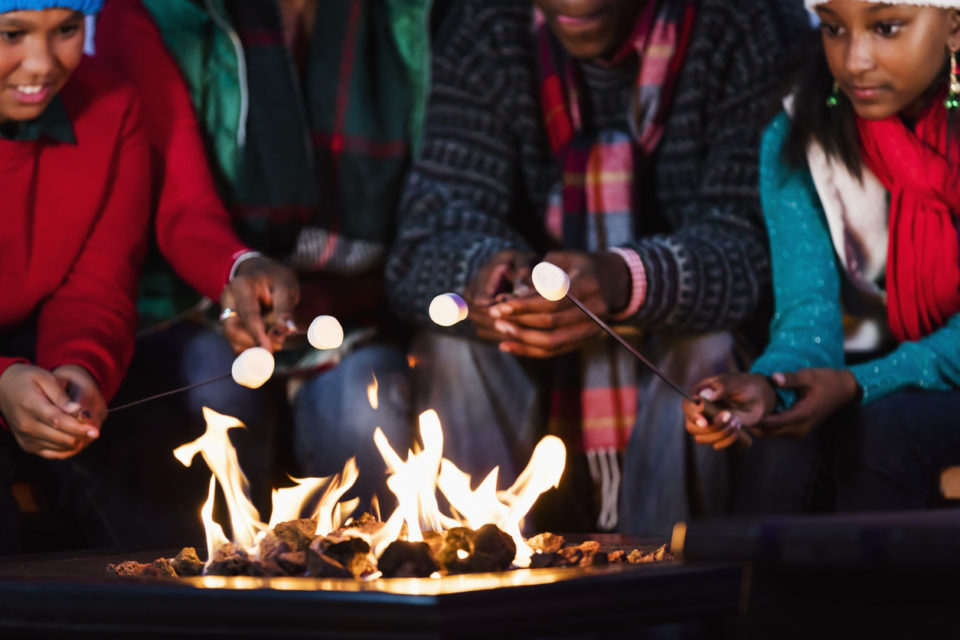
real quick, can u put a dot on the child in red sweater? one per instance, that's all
(74, 174)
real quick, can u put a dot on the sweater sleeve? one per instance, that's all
(193, 229)
(931, 364)
(807, 327)
(90, 319)
(454, 213)
(711, 269)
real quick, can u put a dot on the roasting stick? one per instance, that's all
(553, 283)
(255, 366)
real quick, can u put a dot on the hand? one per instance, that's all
(496, 281)
(42, 417)
(539, 328)
(821, 393)
(260, 283)
(745, 398)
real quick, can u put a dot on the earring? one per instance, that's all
(953, 99)
(834, 98)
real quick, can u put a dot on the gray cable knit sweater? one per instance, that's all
(481, 183)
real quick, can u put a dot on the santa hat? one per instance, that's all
(944, 4)
(84, 6)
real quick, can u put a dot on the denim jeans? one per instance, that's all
(333, 419)
(887, 455)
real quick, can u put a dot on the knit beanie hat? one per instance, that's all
(944, 4)
(84, 6)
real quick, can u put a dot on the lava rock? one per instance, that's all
(320, 565)
(494, 542)
(229, 560)
(404, 559)
(187, 563)
(297, 534)
(293, 562)
(546, 542)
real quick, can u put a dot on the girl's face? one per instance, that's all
(885, 57)
(591, 28)
(38, 52)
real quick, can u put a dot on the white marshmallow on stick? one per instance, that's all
(551, 281)
(447, 309)
(325, 332)
(253, 367)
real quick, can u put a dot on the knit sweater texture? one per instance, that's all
(807, 328)
(481, 183)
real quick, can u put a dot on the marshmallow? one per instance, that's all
(325, 332)
(253, 367)
(551, 281)
(447, 309)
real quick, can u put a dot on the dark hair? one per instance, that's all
(834, 129)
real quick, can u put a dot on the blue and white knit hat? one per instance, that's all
(84, 6)
(943, 4)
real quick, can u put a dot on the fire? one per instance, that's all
(372, 391)
(414, 481)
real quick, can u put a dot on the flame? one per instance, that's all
(413, 481)
(215, 535)
(217, 451)
(372, 392)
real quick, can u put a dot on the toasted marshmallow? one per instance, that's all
(447, 309)
(253, 367)
(325, 332)
(551, 281)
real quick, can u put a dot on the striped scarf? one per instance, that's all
(594, 209)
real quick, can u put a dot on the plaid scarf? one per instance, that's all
(317, 131)
(595, 208)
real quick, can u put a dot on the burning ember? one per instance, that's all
(481, 532)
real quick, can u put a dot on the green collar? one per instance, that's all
(53, 123)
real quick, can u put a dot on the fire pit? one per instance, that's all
(71, 595)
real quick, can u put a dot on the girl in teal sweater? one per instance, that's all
(861, 193)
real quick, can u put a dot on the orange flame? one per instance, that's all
(413, 481)
(372, 393)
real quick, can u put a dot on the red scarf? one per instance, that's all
(923, 260)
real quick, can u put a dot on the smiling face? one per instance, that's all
(38, 52)
(886, 57)
(591, 28)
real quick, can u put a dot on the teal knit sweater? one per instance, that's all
(807, 327)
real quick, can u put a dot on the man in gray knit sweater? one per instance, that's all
(617, 139)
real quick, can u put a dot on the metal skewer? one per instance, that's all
(164, 394)
(558, 282)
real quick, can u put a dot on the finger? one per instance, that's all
(527, 305)
(285, 295)
(248, 310)
(732, 438)
(547, 340)
(693, 411)
(42, 436)
(745, 439)
(44, 417)
(792, 380)
(51, 454)
(51, 388)
(237, 335)
(800, 412)
(548, 321)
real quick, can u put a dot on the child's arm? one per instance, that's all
(91, 319)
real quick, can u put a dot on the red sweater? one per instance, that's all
(73, 230)
(194, 230)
